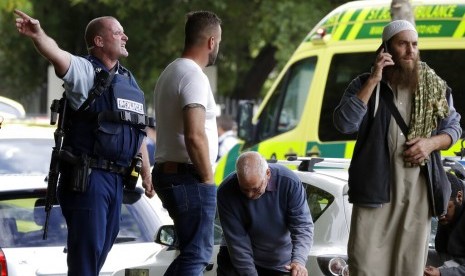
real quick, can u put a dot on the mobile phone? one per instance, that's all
(385, 46)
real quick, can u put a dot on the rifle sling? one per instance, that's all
(101, 84)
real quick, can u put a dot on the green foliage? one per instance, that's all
(11, 51)
(10, 5)
(156, 35)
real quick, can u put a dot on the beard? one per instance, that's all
(211, 59)
(401, 74)
(212, 56)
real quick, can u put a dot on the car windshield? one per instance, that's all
(22, 217)
(25, 156)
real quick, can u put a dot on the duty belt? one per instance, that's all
(107, 165)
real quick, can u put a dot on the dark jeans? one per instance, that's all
(225, 267)
(192, 206)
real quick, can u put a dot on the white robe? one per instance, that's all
(393, 240)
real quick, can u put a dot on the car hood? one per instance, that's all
(30, 261)
(34, 261)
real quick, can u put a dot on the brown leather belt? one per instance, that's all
(175, 167)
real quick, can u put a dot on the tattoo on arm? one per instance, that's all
(193, 105)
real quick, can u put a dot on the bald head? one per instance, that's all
(252, 174)
(250, 164)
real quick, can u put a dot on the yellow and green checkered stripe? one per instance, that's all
(445, 20)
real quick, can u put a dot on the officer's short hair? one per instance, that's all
(93, 29)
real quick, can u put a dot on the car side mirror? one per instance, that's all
(166, 235)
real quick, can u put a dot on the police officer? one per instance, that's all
(103, 135)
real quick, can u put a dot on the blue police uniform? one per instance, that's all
(109, 143)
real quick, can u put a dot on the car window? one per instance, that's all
(22, 219)
(318, 200)
(21, 222)
(137, 219)
(25, 156)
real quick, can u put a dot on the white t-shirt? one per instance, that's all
(181, 83)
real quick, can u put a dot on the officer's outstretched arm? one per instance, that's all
(44, 44)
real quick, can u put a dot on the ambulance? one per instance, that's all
(295, 117)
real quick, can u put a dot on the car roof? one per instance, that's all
(26, 130)
(333, 181)
(22, 182)
(25, 149)
(378, 15)
(329, 174)
(11, 109)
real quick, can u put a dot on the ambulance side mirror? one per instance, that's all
(244, 121)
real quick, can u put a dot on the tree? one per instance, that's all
(402, 9)
(258, 37)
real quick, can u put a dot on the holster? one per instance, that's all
(77, 171)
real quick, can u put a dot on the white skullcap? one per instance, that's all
(396, 27)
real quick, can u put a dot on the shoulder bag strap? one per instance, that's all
(388, 100)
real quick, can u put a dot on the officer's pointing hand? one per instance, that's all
(26, 25)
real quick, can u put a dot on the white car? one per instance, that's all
(10, 109)
(325, 182)
(328, 201)
(24, 163)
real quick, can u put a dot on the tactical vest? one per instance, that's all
(112, 127)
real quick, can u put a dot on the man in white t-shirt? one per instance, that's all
(187, 144)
